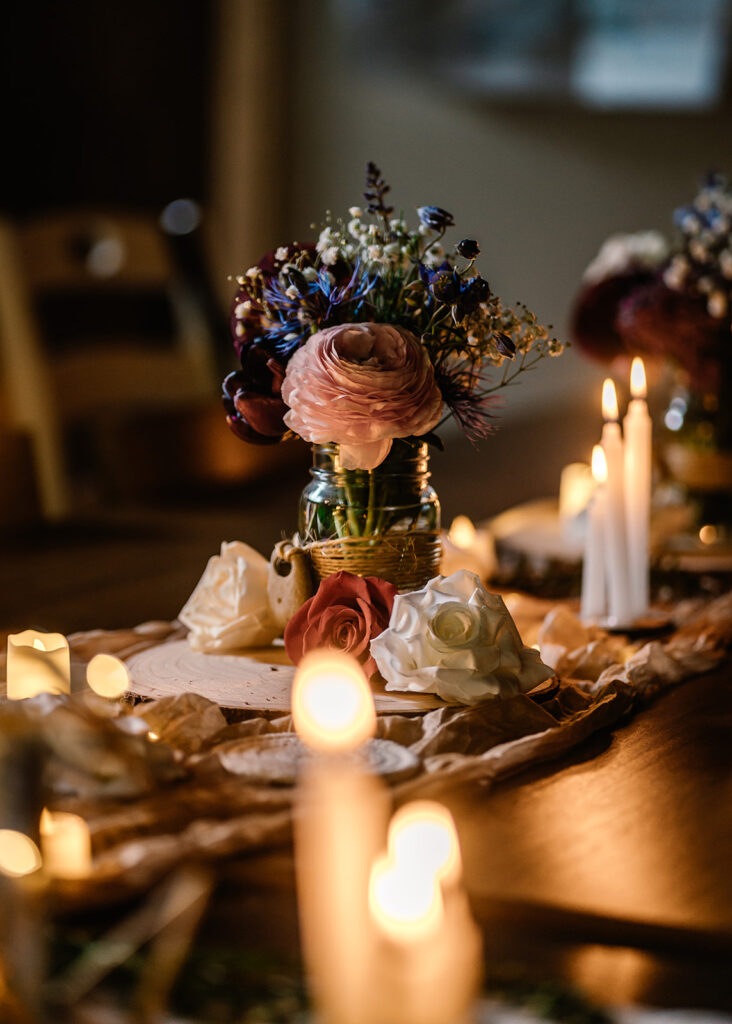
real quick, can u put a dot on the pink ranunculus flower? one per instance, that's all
(360, 386)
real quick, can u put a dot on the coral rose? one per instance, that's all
(346, 613)
(361, 385)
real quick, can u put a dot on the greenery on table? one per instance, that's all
(231, 985)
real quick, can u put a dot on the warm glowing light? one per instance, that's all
(708, 534)
(19, 855)
(66, 844)
(462, 532)
(638, 378)
(423, 840)
(599, 464)
(609, 400)
(576, 487)
(406, 905)
(332, 705)
(153, 736)
(37, 663)
(107, 676)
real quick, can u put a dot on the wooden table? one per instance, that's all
(611, 870)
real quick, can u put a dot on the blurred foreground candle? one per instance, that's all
(428, 960)
(37, 663)
(637, 430)
(19, 855)
(340, 824)
(107, 676)
(465, 547)
(65, 845)
(594, 599)
(576, 488)
(616, 546)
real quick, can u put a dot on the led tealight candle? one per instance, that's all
(616, 546)
(340, 826)
(637, 429)
(65, 845)
(107, 676)
(19, 855)
(576, 488)
(594, 597)
(428, 967)
(37, 663)
(465, 547)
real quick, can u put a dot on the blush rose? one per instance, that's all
(360, 386)
(346, 613)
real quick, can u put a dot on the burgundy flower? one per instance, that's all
(346, 613)
(251, 398)
(593, 323)
(677, 326)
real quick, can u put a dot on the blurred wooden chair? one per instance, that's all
(95, 323)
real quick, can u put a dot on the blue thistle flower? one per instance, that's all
(317, 303)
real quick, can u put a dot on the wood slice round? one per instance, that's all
(259, 680)
(279, 757)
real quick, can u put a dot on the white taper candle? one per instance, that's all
(594, 595)
(616, 546)
(637, 429)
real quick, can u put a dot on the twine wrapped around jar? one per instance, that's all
(383, 522)
(408, 560)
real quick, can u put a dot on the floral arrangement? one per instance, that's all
(374, 333)
(646, 295)
(364, 343)
(451, 637)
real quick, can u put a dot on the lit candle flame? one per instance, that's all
(39, 644)
(599, 464)
(19, 855)
(637, 378)
(406, 905)
(107, 676)
(332, 705)
(462, 532)
(609, 400)
(423, 838)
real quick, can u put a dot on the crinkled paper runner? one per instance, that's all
(151, 805)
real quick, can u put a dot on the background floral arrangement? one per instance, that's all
(646, 295)
(373, 333)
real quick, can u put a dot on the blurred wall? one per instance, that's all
(540, 188)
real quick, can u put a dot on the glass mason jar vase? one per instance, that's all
(697, 450)
(382, 522)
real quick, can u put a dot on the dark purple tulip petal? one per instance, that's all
(262, 413)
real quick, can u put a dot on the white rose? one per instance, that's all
(457, 640)
(229, 609)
